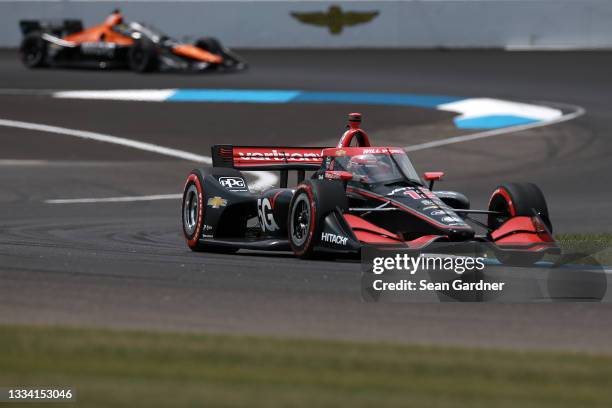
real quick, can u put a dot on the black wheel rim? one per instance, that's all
(191, 210)
(499, 205)
(32, 52)
(300, 220)
(138, 57)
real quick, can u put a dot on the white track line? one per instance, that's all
(148, 147)
(263, 179)
(137, 95)
(577, 112)
(13, 162)
(115, 199)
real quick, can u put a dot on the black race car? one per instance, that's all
(357, 196)
(116, 43)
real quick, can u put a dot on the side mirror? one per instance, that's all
(338, 175)
(433, 176)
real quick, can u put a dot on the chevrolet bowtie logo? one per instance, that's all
(216, 202)
(335, 19)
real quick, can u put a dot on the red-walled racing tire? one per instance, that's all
(513, 200)
(517, 199)
(312, 201)
(193, 212)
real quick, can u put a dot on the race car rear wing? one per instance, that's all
(67, 26)
(269, 158)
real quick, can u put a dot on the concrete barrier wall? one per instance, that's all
(559, 24)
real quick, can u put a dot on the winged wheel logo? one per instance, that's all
(335, 19)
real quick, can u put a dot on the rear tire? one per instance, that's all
(142, 56)
(312, 201)
(33, 50)
(193, 211)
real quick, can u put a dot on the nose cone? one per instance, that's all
(198, 54)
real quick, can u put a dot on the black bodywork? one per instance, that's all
(236, 218)
(348, 197)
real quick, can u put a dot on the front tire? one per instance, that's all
(514, 200)
(33, 50)
(210, 44)
(142, 56)
(230, 60)
(517, 199)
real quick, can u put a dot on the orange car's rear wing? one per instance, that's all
(59, 27)
(269, 158)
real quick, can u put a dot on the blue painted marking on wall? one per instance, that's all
(233, 95)
(492, 122)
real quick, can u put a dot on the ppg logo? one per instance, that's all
(232, 183)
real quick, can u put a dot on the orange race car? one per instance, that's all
(116, 43)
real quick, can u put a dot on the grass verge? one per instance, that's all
(597, 248)
(155, 369)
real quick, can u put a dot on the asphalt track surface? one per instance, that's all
(126, 264)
